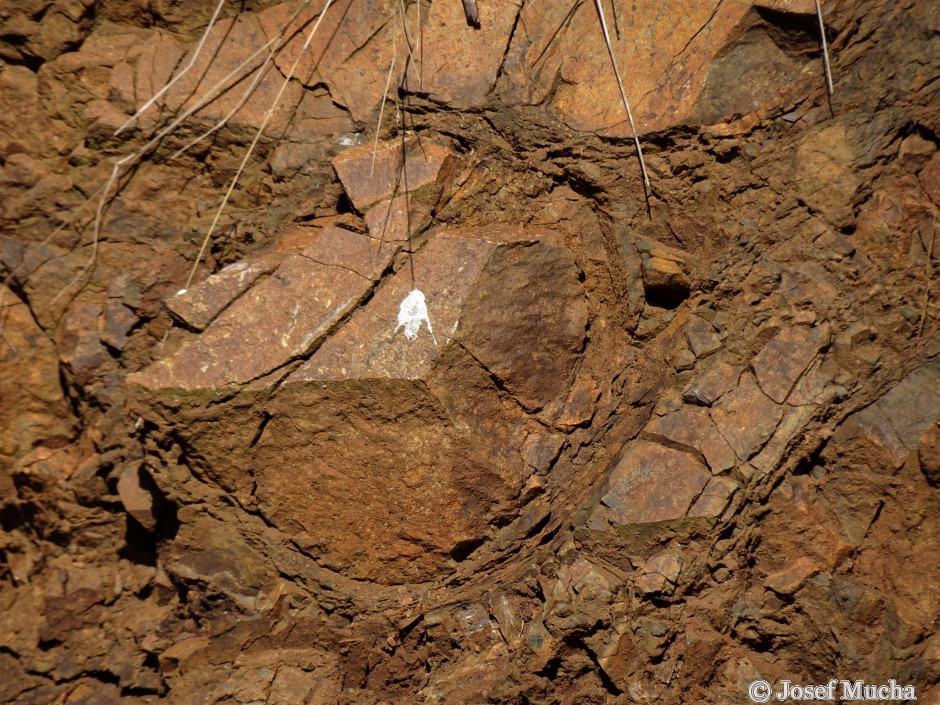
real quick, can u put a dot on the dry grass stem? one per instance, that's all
(120, 164)
(177, 77)
(388, 83)
(623, 94)
(825, 48)
(274, 45)
(254, 143)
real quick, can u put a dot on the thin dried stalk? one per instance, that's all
(259, 74)
(388, 83)
(825, 48)
(254, 143)
(623, 95)
(177, 77)
(120, 164)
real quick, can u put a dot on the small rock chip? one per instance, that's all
(791, 578)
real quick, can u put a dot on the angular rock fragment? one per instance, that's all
(930, 178)
(199, 306)
(360, 451)
(693, 427)
(34, 406)
(653, 483)
(746, 417)
(717, 378)
(137, 501)
(714, 497)
(660, 573)
(895, 424)
(665, 273)
(277, 319)
(702, 337)
(371, 174)
(913, 404)
(782, 360)
(929, 454)
(117, 322)
(791, 578)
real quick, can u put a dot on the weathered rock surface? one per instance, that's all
(324, 429)
(34, 406)
(652, 452)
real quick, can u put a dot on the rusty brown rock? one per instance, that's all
(823, 172)
(217, 553)
(717, 378)
(351, 52)
(442, 400)
(702, 337)
(714, 497)
(562, 55)
(784, 358)
(660, 573)
(913, 404)
(746, 417)
(665, 272)
(199, 306)
(791, 578)
(394, 219)
(914, 152)
(930, 178)
(327, 426)
(79, 343)
(137, 501)
(513, 303)
(460, 63)
(229, 44)
(796, 7)
(693, 427)
(116, 323)
(34, 406)
(929, 454)
(651, 483)
(279, 318)
(371, 174)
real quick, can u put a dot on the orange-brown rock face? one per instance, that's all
(454, 410)
(425, 435)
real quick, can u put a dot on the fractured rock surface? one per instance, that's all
(653, 451)
(414, 430)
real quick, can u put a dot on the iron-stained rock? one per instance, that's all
(665, 272)
(746, 417)
(277, 319)
(692, 426)
(361, 451)
(702, 337)
(782, 360)
(653, 483)
(371, 174)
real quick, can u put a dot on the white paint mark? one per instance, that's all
(412, 313)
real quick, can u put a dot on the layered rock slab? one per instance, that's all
(385, 458)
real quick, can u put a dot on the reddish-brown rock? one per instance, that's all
(653, 483)
(277, 319)
(453, 448)
(371, 174)
(791, 578)
(782, 360)
(692, 427)
(746, 417)
(34, 406)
